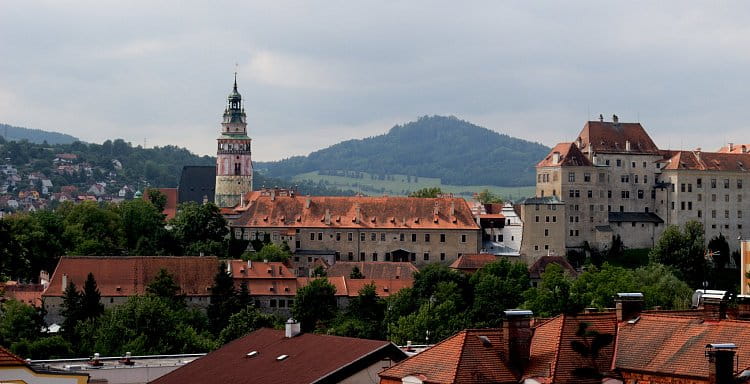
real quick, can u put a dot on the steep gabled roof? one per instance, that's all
(708, 161)
(468, 357)
(130, 275)
(553, 359)
(310, 358)
(355, 212)
(374, 269)
(197, 182)
(568, 156)
(610, 137)
(675, 345)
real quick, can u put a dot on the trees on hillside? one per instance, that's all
(427, 192)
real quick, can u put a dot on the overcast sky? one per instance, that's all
(313, 73)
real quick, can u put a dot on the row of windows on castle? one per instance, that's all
(602, 177)
(688, 187)
(387, 257)
(382, 236)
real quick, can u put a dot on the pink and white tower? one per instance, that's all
(234, 168)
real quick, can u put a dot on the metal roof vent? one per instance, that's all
(281, 357)
(252, 354)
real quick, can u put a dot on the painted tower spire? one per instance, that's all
(234, 167)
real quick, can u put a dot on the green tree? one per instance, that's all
(91, 305)
(271, 252)
(684, 250)
(363, 316)
(552, 295)
(92, 230)
(496, 287)
(164, 286)
(37, 239)
(427, 279)
(157, 199)
(50, 347)
(223, 300)
(200, 228)
(319, 271)
(142, 227)
(660, 287)
(315, 304)
(487, 197)
(147, 325)
(597, 287)
(245, 321)
(71, 310)
(437, 318)
(19, 321)
(13, 256)
(429, 192)
(356, 273)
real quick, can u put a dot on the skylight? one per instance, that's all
(281, 357)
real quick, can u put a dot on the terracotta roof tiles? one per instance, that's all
(610, 137)
(374, 269)
(468, 357)
(355, 212)
(565, 154)
(8, 359)
(473, 261)
(540, 265)
(708, 161)
(674, 345)
(130, 275)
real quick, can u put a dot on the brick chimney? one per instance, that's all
(517, 335)
(720, 362)
(628, 305)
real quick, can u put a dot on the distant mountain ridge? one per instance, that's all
(38, 136)
(456, 151)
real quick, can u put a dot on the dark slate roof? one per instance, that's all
(603, 228)
(638, 217)
(541, 200)
(197, 181)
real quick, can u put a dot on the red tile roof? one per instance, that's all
(708, 161)
(130, 275)
(473, 261)
(170, 209)
(735, 148)
(540, 265)
(260, 270)
(355, 212)
(8, 359)
(674, 345)
(570, 156)
(375, 269)
(552, 357)
(461, 358)
(383, 287)
(310, 358)
(609, 137)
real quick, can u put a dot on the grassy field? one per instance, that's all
(403, 185)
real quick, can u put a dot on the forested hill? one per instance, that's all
(454, 150)
(9, 132)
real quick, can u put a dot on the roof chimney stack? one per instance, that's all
(307, 202)
(721, 362)
(615, 119)
(601, 117)
(628, 306)
(517, 333)
(292, 328)
(64, 281)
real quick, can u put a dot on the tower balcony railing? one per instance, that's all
(233, 152)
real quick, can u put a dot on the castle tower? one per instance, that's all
(234, 168)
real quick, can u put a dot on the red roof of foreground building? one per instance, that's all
(610, 137)
(130, 275)
(310, 358)
(468, 357)
(569, 155)
(260, 270)
(473, 261)
(263, 210)
(708, 161)
(374, 269)
(552, 357)
(675, 345)
(8, 359)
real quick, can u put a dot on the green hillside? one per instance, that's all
(446, 148)
(9, 132)
(371, 184)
